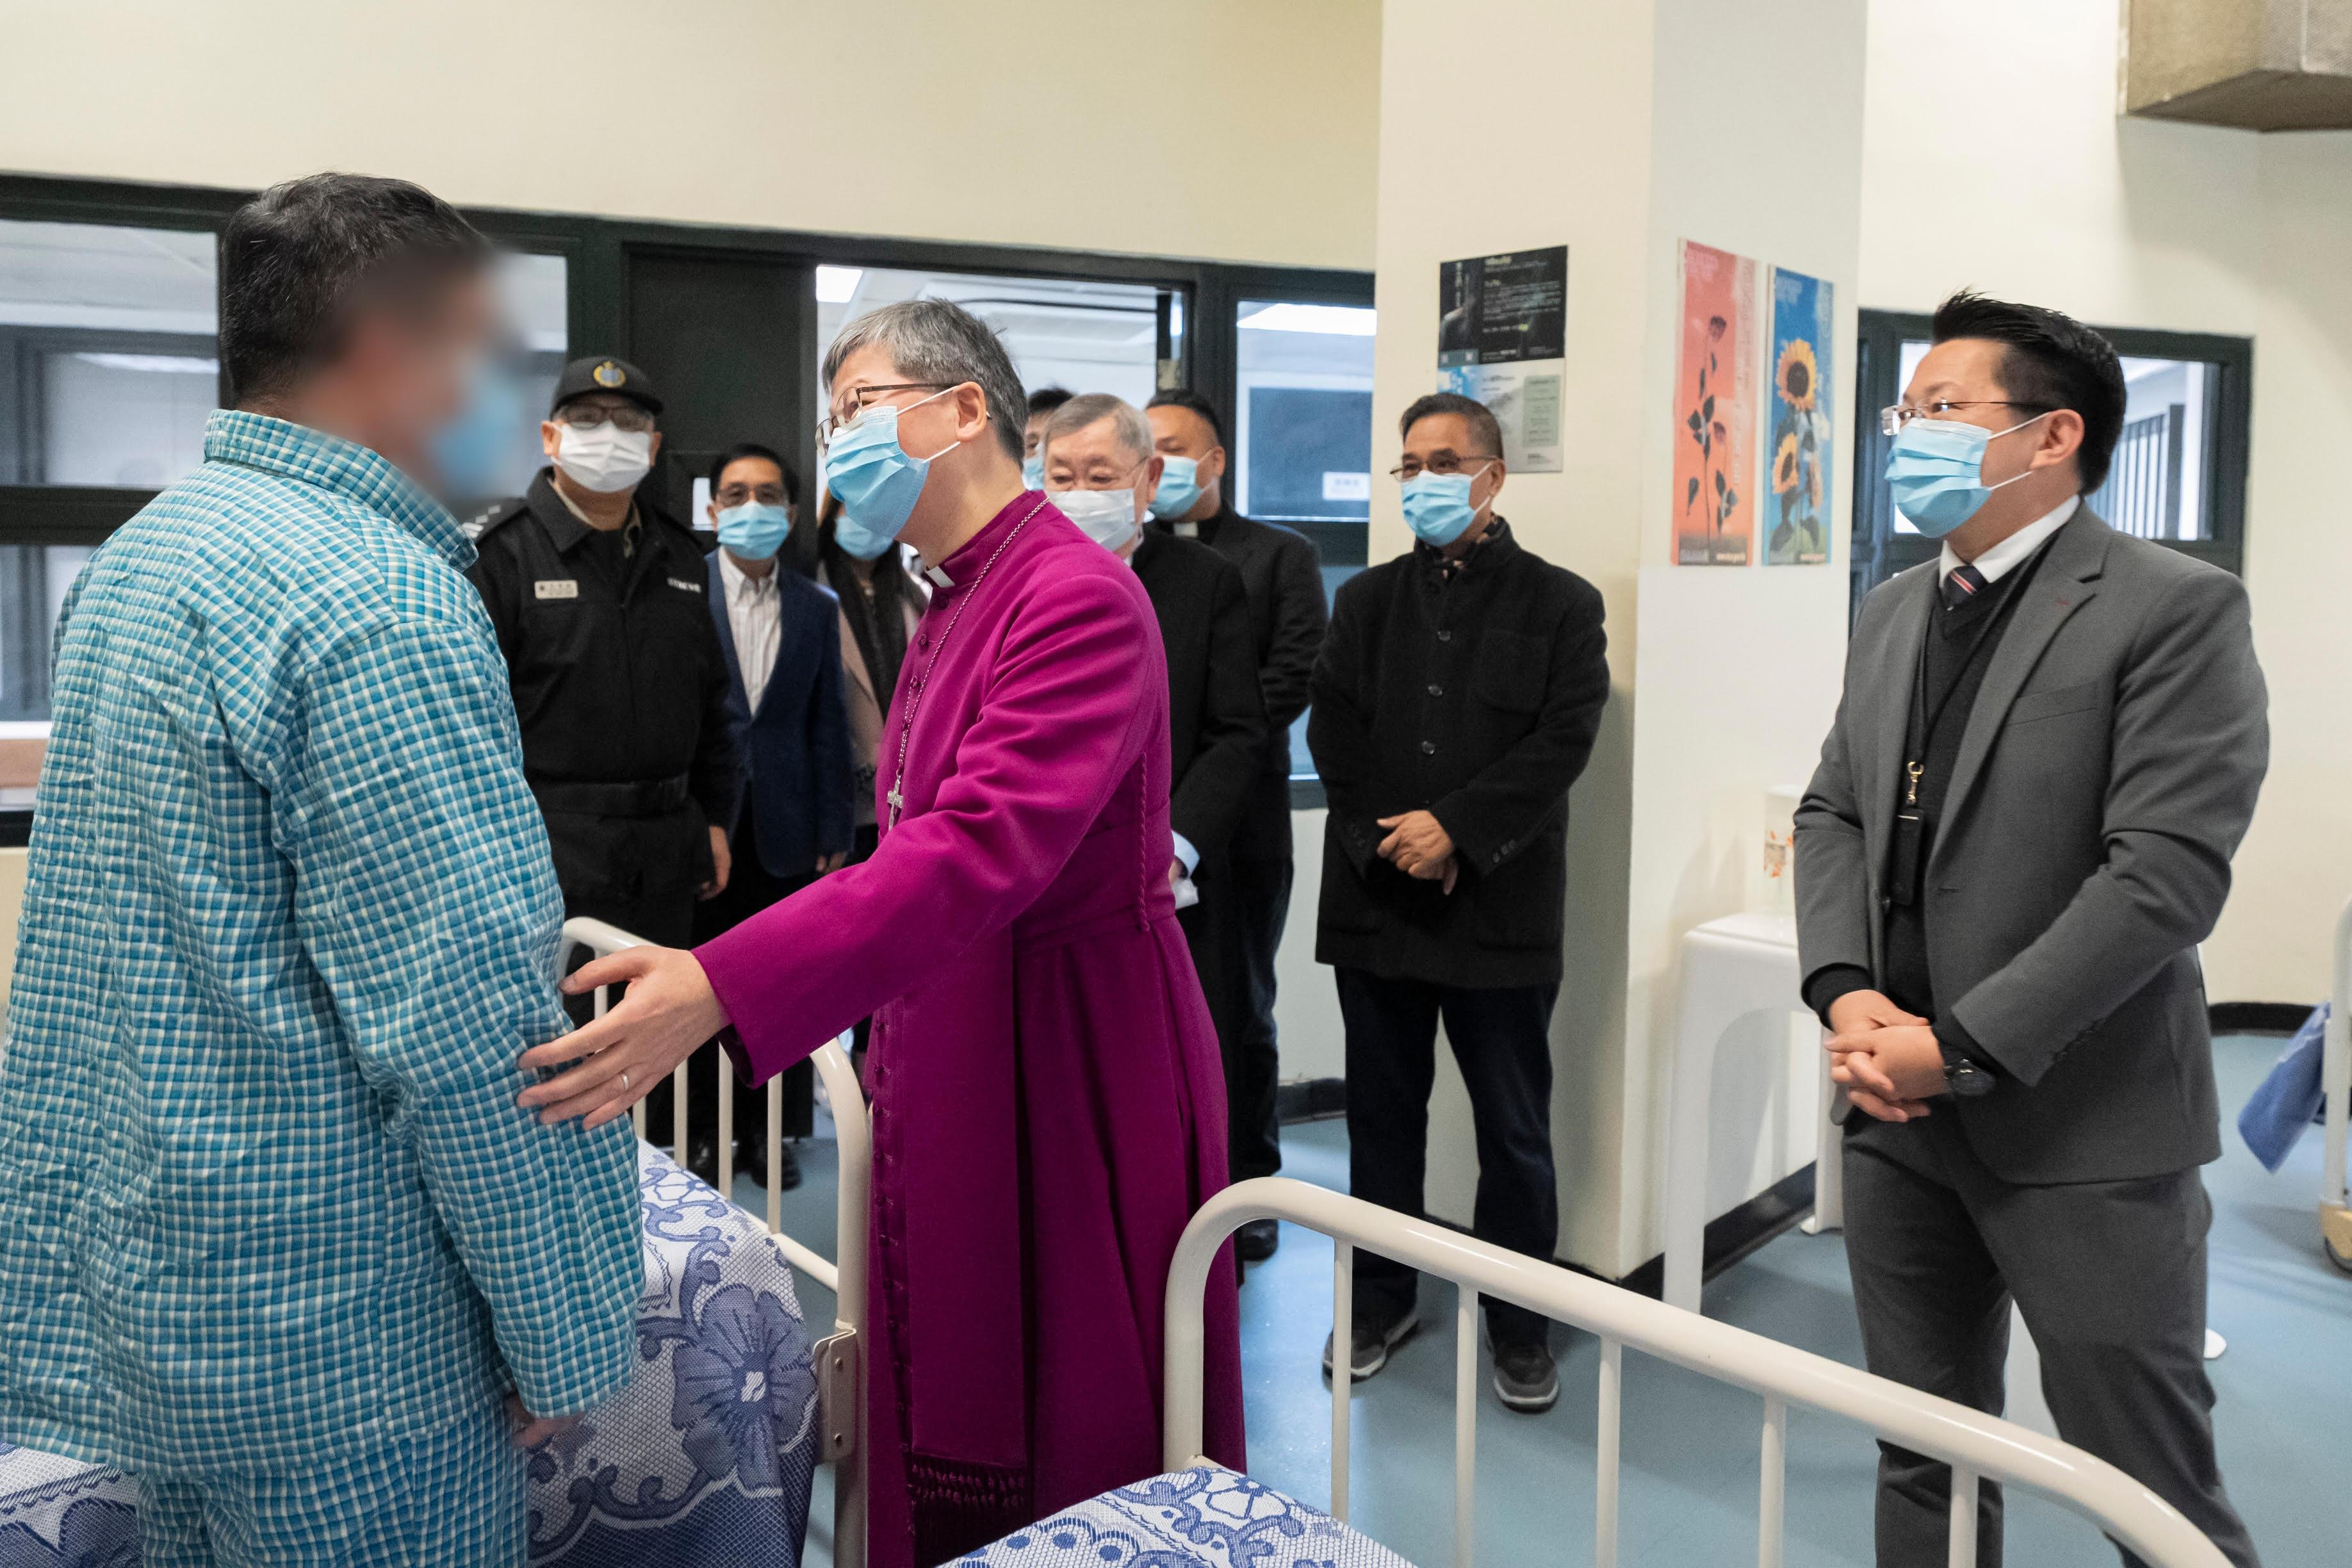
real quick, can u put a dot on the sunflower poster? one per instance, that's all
(1797, 455)
(1716, 411)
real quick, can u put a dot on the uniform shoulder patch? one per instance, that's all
(483, 522)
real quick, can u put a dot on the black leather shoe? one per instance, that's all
(754, 1164)
(1255, 1241)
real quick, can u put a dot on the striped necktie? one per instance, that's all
(1962, 583)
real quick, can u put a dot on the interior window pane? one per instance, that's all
(1304, 413)
(1074, 333)
(108, 355)
(2155, 488)
(534, 292)
(1303, 437)
(34, 579)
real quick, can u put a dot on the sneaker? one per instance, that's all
(1526, 1378)
(1369, 1344)
(1255, 1241)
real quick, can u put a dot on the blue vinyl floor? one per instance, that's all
(2284, 1416)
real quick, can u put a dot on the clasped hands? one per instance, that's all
(1420, 848)
(1888, 1059)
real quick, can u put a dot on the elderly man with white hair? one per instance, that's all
(1048, 1105)
(1101, 470)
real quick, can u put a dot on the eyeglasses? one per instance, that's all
(1891, 418)
(1444, 463)
(738, 495)
(861, 398)
(620, 415)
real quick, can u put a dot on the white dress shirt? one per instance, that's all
(2016, 550)
(755, 615)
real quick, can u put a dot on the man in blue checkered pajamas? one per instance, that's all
(274, 1237)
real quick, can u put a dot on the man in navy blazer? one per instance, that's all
(780, 632)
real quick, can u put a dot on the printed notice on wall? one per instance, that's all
(1797, 449)
(1716, 411)
(1502, 332)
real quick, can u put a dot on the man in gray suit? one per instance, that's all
(2049, 744)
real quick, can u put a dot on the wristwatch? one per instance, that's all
(1966, 1079)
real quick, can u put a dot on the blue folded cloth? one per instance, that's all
(2290, 1099)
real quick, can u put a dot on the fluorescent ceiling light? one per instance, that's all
(165, 364)
(1338, 320)
(837, 285)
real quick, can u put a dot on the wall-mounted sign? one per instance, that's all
(1502, 332)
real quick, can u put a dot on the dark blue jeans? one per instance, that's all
(1502, 1041)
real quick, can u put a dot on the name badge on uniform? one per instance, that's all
(681, 582)
(555, 588)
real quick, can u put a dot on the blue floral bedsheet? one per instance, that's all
(1208, 1517)
(707, 1456)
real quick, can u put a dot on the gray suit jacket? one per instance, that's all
(2106, 774)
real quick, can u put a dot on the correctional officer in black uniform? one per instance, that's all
(600, 603)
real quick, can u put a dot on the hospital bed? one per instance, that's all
(1198, 1512)
(708, 1456)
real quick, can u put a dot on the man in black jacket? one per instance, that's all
(1283, 580)
(1100, 469)
(1456, 702)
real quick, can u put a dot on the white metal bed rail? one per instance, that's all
(1977, 1447)
(838, 1356)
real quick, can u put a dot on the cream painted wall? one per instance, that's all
(1620, 129)
(1994, 157)
(1053, 123)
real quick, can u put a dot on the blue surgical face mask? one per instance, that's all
(877, 482)
(470, 451)
(1935, 469)
(754, 530)
(1179, 488)
(862, 543)
(1032, 472)
(1437, 506)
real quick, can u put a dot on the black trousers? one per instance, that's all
(1260, 903)
(1502, 1040)
(2110, 1278)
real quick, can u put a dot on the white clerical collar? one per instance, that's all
(938, 574)
(2016, 550)
(1188, 531)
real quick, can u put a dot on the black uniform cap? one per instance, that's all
(602, 373)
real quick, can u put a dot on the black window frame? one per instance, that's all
(596, 252)
(1879, 552)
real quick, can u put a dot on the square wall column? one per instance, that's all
(1621, 128)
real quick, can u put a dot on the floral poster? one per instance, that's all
(1797, 513)
(1716, 411)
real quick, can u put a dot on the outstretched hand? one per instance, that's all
(668, 1011)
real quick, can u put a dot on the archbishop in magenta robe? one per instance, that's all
(1047, 1097)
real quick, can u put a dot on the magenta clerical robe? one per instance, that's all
(1048, 1103)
